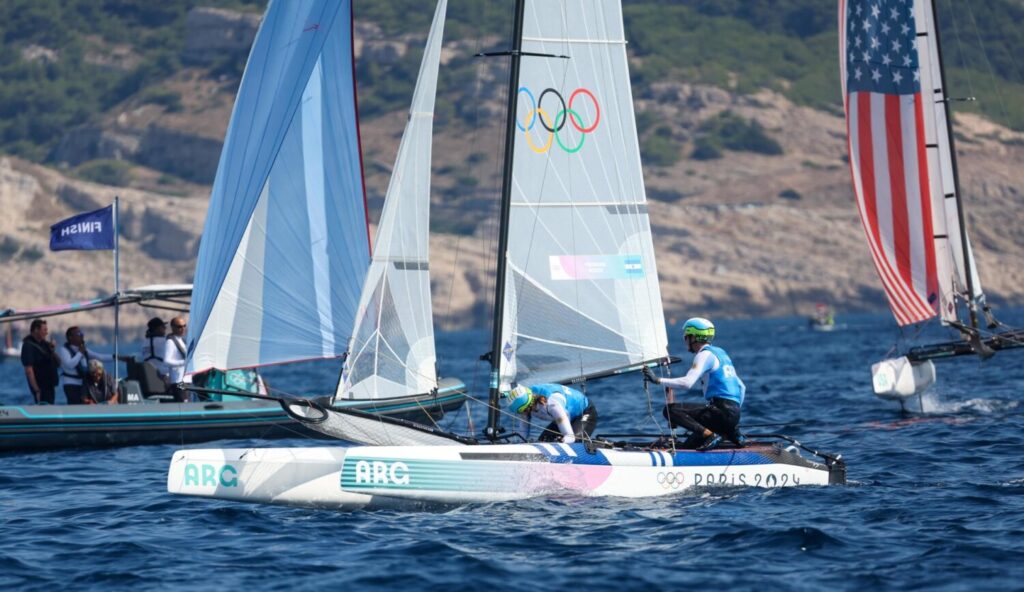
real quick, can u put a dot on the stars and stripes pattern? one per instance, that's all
(885, 114)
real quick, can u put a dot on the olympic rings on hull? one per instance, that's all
(671, 480)
(553, 126)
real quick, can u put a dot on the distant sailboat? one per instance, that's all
(286, 247)
(577, 298)
(903, 164)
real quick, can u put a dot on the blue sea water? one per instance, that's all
(935, 500)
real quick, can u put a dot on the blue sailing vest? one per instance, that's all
(723, 382)
(574, 402)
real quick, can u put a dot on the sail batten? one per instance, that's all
(288, 205)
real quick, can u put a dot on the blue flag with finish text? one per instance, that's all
(91, 231)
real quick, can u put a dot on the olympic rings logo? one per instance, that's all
(670, 480)
(554, 125)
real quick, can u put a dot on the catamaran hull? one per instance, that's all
(418, 476)
(899, 379)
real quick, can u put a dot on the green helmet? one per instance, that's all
(519, 399)
(699, 328)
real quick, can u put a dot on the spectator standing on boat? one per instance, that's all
(39, 357)
(156, 342)
(74, 363)
(175, 352)
(719, 416)
(570, 412)
(99, 387)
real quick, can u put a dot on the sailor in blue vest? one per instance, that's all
(571, 414)
(719, 416)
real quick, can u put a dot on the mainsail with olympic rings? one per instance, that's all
(581, 291)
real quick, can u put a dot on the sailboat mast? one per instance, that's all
(505, 208)
(961, 217)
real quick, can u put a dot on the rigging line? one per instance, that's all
(650, 410)
(988, 63)
(419, 403)
(519, 278)
(902, 339)
(963, 64)
(1009, 52)
(451, 278)
(474, 141)
(574, 210)
(1012, 338)
(475, 374)
(640, 223)
(489, 236)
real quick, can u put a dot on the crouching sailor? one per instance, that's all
(723, 391)
(571, 414)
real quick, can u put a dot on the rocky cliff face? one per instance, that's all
(739, 235)
(213, 33)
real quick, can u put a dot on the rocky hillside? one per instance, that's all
(750, 196)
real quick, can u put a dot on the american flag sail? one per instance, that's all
(901, 155)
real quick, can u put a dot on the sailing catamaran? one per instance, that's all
(905, 177)
(286, 246)
(577, 298)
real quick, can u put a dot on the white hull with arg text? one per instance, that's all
(414, 476)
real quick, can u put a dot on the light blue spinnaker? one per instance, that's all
(285, 247)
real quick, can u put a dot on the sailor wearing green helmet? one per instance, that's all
(570, 412)
(723, 391)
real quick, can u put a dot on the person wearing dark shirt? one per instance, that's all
(39, 357)
(98, 387)
(74, 363)
(153, 347)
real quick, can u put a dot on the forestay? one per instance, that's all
(582, 291)
(285, 247)
(901, 157)
(392, 348)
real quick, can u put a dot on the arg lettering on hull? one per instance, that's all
(375, 473)
(208, 475)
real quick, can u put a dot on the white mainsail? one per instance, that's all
(949, 234)
(582, 292)
(391, 353)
